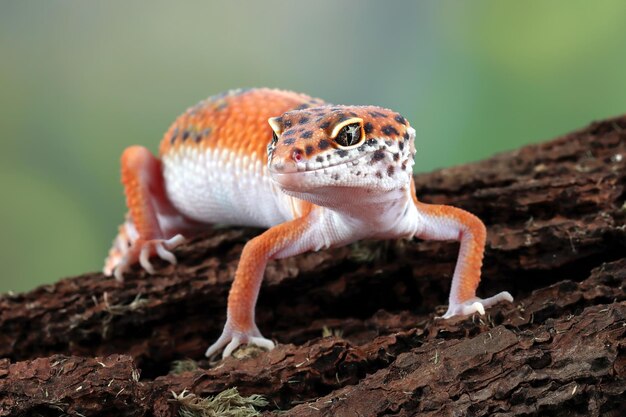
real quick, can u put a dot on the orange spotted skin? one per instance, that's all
(236, 120)
(316, 175)
(309, 131)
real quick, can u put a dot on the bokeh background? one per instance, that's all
(80, 81)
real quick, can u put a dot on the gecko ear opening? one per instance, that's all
(276, 124)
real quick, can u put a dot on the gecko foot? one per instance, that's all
(141, 250)
(475, 305)
(232, 339)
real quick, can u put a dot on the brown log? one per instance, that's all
(555, 215)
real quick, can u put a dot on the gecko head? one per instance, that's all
(316, 152)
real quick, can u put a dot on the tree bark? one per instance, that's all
(556, 239)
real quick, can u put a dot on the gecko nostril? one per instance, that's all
(297, 155)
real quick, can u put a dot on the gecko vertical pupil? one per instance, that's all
(349, 135)
(274, 138)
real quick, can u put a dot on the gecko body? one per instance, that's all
(316, 175)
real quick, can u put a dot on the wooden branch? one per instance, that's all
(557, 240)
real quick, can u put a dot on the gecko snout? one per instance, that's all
(284, 167)
(286, 164)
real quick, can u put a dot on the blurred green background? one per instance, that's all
(80, 81)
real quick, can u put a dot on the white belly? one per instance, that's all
(220, 186)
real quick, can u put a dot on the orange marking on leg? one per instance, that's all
(142, 179)
(473, 236)
(249, 275)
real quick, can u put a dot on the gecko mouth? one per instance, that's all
(326, 175)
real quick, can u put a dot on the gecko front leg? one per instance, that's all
(286, 239)
(439, 222)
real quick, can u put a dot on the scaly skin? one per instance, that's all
(331, 175)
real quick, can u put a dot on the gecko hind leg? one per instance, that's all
(152, 223)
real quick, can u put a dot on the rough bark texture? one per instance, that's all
(555, 214)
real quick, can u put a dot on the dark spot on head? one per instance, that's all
(319, 159)
(289, 141)
(400, 119)
(390, 170)
(371, 142)
(289, 132)
(368, 128)
(404, 165)
(358, 173)
(353, 114)
(323, 144)
(198, 137)
(341, 117)
(388, 142)
(287, 124)
(306, 135)
(361, 148)
(308, 150)
(401, 145)
(303, 120)
(342, 153)
(389, 130)
(325, 125)
(379, 174)
(303, 106)
(185, 135)
(406, 135)
(335, 177)
(378, 155)
(376, 114)
(396, 156)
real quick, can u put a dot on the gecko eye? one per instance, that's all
(349, 135)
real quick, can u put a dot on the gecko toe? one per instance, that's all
(174, 241)
(119, 270)
(165, 254)
(144, 259)
(262, 342)
(478, 307)
(218, 345)
(230, 348)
